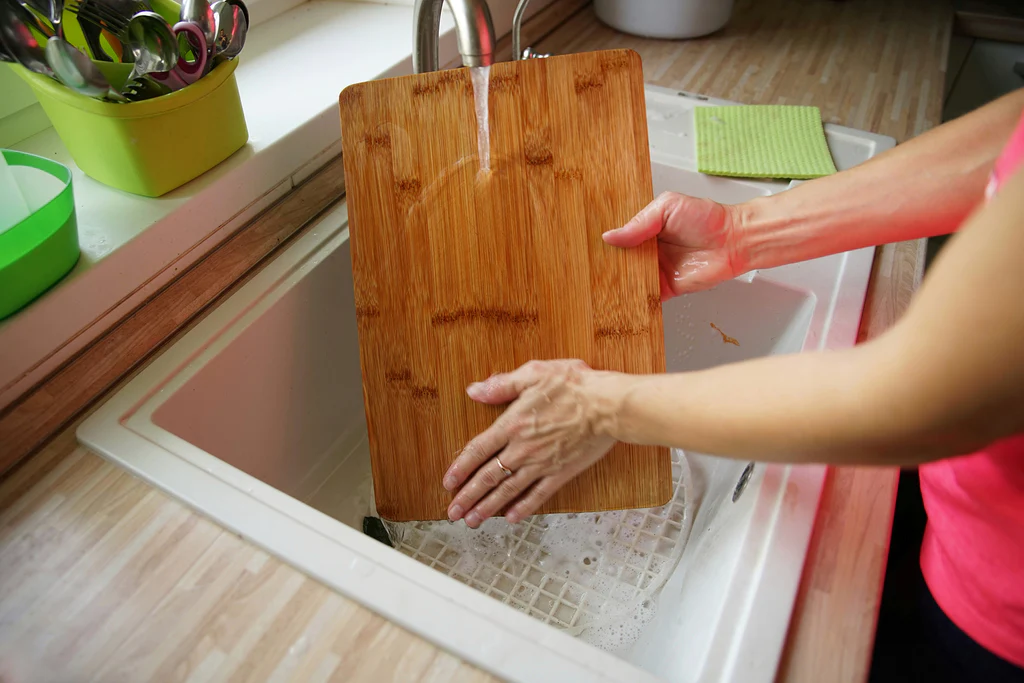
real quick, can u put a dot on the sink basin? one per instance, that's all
(255, 417)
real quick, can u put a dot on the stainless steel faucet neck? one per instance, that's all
(473, 26)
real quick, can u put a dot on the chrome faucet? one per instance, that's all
(473, 26)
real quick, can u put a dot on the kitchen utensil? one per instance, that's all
(200, 13)
(99, 15)
(43, 247)
(92, 29)
(461, 272)
(184, 72)
(153, 46)
(18, 39)
(146, 88)
(245, 10)
(231, 27)
(53, 10)
(24, 15)
(94, 16)
(78, 72)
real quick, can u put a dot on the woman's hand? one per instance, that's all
(698, 245)
(556, 427)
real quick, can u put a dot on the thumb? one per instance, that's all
(646, 224)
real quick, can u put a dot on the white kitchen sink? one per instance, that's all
(255, 417)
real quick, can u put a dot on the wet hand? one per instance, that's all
(556, 426)
(698, 245)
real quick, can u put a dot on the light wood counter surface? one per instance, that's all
(104, 578)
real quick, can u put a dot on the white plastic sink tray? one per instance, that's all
(255, 418)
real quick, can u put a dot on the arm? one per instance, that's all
(924, 187)
(948, 378)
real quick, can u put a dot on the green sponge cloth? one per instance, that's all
(762, 141)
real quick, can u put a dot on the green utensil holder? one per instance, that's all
(41, 249)
(153, 146)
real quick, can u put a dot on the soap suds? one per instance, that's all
(595, 575)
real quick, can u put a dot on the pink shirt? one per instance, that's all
(972, 556)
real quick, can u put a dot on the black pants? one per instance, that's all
(916, 641)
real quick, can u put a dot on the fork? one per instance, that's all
(100, 16)
(91, 31)
(144, 88)
(105, 15)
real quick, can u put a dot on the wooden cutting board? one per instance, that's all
(460, 273)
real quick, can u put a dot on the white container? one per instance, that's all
(665, 18)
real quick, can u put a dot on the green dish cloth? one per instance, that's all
(762, 141)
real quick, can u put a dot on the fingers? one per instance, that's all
(499, 498)
(539, 494)
(646, 224)
(476, 453)
(506, 387)
(487, 478)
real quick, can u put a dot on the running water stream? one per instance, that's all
(481, 76)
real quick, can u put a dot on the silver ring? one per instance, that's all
(505, 470)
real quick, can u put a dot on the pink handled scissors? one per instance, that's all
(185, 72)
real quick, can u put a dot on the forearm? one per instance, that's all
(835, 407)
(947, 379)
(924, 187)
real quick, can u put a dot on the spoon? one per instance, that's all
(200, 13)
(19, 41)
(152, 44)
(78, 72)
(231, 29)
(245, 10)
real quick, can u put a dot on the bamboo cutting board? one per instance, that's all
(461, 272)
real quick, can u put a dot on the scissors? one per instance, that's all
(185, 72)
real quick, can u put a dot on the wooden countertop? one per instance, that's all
(103, 577)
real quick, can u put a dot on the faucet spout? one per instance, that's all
(473, 26)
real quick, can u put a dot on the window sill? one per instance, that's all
(132, 246)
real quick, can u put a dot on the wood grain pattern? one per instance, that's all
(877, 65)
(103, 578)
(462, 271)
(65, 496)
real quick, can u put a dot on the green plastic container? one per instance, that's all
(43, 248)
(153, 146)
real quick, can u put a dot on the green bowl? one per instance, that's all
(43, 248)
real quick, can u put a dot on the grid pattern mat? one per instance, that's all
(575, 571)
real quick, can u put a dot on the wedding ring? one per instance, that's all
(505, 470)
